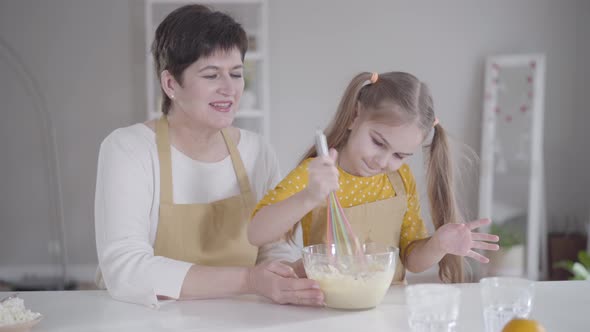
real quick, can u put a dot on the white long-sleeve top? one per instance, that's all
(127, 207)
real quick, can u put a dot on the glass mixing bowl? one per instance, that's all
(351, 281)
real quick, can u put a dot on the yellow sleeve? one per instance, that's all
(413, 227)
(294, 182)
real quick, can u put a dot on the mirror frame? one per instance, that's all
(536, 265)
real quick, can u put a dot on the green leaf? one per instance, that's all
(580, 271)
(567, 265)
(584, 258)
(508, 236)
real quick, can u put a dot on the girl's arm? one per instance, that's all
(272, 221)
(422, 255)
(454, 239)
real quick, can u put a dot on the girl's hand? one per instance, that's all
(323, 177)
(458, 239)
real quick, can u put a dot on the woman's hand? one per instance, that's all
(458, 239)
(280, 283)
(297, 267)
(323, 177)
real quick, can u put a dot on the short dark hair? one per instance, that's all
(189, 33)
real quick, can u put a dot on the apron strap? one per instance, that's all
(239, 169)
(397, 183)
(165, 158)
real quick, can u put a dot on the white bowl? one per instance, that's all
(21, 326)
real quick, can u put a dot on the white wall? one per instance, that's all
(581, 149)
(87, 57)
(317, 46)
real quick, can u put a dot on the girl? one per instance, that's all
(381, 121)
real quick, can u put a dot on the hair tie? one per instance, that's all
(374, 78)
(435, 122)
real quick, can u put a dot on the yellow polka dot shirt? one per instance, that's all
(356, 190)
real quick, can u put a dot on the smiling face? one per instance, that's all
(375, 147)
(211, 89)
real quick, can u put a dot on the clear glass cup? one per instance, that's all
(433, 307)
(505, 298)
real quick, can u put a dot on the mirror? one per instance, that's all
(512, 174)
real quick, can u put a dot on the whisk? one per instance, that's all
(339, 233)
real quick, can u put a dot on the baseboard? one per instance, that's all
(75, 272)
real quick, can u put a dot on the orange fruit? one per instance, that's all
(523, 325)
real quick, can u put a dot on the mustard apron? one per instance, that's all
(379, 222)
(212, 234)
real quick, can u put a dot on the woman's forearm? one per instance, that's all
(205, 282)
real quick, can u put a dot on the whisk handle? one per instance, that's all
(321, 145)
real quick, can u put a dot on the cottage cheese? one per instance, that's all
(13, 311)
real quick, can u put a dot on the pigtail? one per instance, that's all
(443, 205)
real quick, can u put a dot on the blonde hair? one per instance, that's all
(414, 105)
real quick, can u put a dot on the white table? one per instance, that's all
(559, 306)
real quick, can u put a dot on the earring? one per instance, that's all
(171, 96)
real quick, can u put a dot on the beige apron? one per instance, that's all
(207, 234)
(378, 222)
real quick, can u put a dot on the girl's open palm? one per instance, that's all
(460, 240)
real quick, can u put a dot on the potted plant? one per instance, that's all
(509, 259)
(566, 238)
(580, 270)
